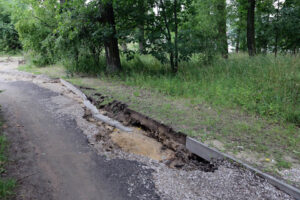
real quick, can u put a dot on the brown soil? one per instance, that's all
(140, 144)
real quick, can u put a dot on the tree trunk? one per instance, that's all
(168, 36)
(111, 43)
(223, 44)
(175, 69)
(141, 24)
(237, 45)
(266, 41)
(276, 29)
(251, 28)
(141, 38)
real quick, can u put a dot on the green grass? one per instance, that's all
(6, 185)
(261, 85)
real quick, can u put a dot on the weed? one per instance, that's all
(6, 188)
(282, 164)
(6, 185)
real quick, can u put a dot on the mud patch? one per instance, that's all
(138, 143)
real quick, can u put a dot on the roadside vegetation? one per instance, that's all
(262, 85)
(226, 71)
(6, 185)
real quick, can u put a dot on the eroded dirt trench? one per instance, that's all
(143, 164)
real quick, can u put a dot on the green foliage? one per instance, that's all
(276, 23)
(35, 27)
(200, 33)
(6, 188)
(289, 26)
(9, 42)
(282, 164)
(80, 36)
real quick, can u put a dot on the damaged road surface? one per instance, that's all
(58, 152)
(55, 154)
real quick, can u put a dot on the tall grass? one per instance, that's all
(263, 85)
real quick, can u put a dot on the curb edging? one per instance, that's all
(94, 109)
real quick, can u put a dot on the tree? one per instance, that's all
(168, 12)
(142, 9)
(203, 32)
(263, 25)
(111, 43)
(237, 17)
(251, 28)
(35, 22)
(289, 26)
(9, 39)
(164, 30)
(221, 17)
(276, 29)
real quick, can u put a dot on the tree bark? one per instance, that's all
(223, 44)
(265, 45)
(276, 29)
(141, 38)
(113, 63)
(168, 35)
(237, 45)
(175, 69)
(141, 24)
(251, 28)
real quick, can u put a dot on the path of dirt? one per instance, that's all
(56, 153)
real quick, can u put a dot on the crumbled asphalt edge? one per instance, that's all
(120, 111)
(228, 182)
(182, 184)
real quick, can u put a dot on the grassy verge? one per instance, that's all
(6, 185)
(262, 85)
(246, 107)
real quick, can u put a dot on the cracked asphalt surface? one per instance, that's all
(54, 154)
